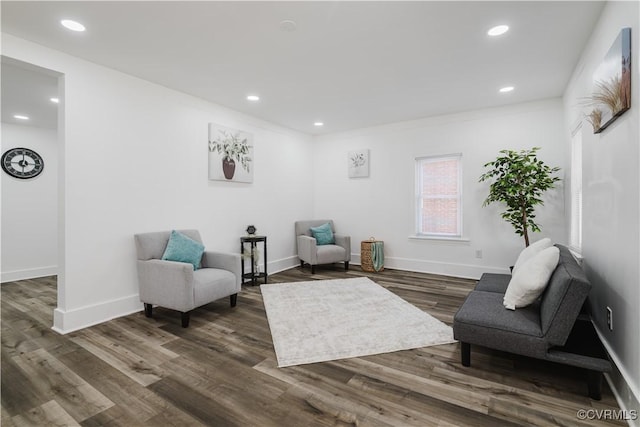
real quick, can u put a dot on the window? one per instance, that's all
(439, 196)
(575, 233)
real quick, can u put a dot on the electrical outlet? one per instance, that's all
(479, 253)
(610, 318)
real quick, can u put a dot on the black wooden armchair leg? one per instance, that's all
(346, 265)
(233, 299)
(185, 318)
(148, 309)
(301, 264)
(594, 383)
(465, 353)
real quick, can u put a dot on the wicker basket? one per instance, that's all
(365, 256)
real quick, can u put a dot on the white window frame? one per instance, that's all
(575, 220)
(419, 161)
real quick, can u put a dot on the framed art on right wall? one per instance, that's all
(612, 84)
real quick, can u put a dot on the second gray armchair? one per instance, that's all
(312, 253)
(177, 285)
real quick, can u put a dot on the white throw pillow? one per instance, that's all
(528, 283)
(531, 251)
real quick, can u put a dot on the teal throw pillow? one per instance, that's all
(323, 234)
(183, 249)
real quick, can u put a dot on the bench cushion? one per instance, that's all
(485, 310)
(483, 320)
(491, 282)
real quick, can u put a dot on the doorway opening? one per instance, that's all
(32, 207)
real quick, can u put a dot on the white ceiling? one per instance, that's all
(348, 64)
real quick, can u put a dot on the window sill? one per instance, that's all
(440, 238)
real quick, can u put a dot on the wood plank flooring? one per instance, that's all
(222, 371)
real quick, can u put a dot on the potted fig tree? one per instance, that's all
(518, 179)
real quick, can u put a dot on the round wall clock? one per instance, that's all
(22, 163)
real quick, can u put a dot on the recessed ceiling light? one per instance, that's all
(20, 117)
(54, 100)
(72, 25)
(498, 30)
(318, 124)
(506, 89)
(253, 98)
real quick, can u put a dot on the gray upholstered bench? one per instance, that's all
(541, 330)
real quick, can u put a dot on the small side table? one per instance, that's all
(254, 275)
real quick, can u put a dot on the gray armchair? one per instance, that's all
(176, 285)
(313, 254)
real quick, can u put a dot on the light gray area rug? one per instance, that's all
(336, 319)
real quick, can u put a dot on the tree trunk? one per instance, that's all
(524, 227)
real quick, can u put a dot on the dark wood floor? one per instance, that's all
(222, 371)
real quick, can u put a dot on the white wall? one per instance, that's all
(611, 206)
(383, 204)
(134, 159)
(30, 208)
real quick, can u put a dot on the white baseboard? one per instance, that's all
(31, 273)
(620, 381)
(433, 267)
(282, 264)
(417, 265)
(406, 264)
(65, 321)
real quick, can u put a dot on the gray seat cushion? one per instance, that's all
(485, 310)
(484, 321)
(330, 253)
(490, 282)
(211, 284)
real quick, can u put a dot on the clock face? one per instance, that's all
(22, 163)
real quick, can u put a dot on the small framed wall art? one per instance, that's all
(230, 154)
(358, 163)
